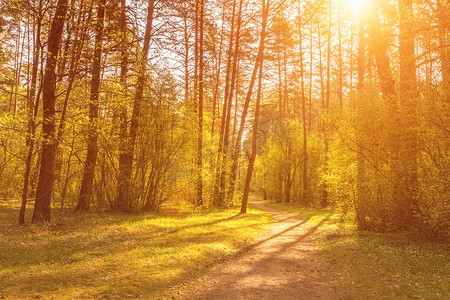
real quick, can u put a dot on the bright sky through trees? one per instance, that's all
(354, 6)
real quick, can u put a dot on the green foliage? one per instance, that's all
(281, 157)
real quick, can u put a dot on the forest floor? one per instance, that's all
(318, 254)
(275, 251)
(106, 255)
(284, 264)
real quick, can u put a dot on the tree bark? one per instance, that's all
(125, 169)
(200, 113)
(41, 213)
(251, 161)
(304, 189)
(237, 145)
(92, 146)
(32, 108)
(324, 200)
(259, 64)
(227, 146)
(218, 182)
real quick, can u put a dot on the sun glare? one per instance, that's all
(354, 6)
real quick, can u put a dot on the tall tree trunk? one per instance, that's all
(186, 53)
(121, 202)
(251, 161)
(200, 113)
(218, 182)
(304, 188)
(92, 147)
(259, 64)
(219, 64)
(41, 213)
(324, 200)
(289, 179)
(237, 145)
(227, 145)
(32, 109)
(80, 38)
(322, 88)
(135, 116)
(340, 75)
(310, 77)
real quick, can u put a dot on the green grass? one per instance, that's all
(105, 255)
(371, 265)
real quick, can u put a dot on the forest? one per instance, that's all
(130, 107)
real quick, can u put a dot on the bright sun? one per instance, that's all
(355, 6)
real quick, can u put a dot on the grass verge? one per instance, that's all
(370, 265)
(105, 255)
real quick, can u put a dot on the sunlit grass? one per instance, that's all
(371, 265)
(100, 255)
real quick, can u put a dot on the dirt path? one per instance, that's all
(284, 264)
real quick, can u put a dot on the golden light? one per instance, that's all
(355, 6)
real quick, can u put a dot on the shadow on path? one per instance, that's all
(285, 264)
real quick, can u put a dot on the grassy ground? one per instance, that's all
(117, 255)
(379, 266)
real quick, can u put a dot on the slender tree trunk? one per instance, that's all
(200, 113)
(218, 199)
(259, 64)
(44, 190)
(322, 89)
(186, 54)
(289, 176)
(92, 147)
(20, 49)
(135, 116)
(237, 145)
(16, 75)
(324, 200)
(121, 202)
(280, 93)
(310, 78)
(219, 64)
(32, 109)
(227, 145)
(304, 189)
(251, 161)
(73, 69)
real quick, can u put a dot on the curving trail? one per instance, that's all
(284, 264)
